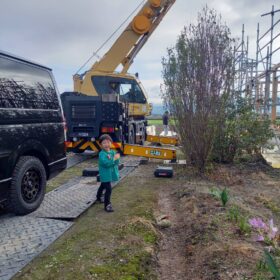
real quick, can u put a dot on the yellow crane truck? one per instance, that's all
(105, 101)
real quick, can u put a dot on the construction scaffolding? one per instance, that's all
(258, 78)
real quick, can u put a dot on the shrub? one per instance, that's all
(243, 132)
(198, 74)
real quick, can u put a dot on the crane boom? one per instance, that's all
(126, 47)
(134, 37)
(106, 101)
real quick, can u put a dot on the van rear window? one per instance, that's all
(25, 86)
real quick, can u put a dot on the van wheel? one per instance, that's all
(131, 135)
(28, 185)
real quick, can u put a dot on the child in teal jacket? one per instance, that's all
(108, 164)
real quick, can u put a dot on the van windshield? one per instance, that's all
(25, 86)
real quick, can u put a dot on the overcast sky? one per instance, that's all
(63, 34)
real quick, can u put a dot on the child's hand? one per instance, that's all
(117, 156)
(108, 156)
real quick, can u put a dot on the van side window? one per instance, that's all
(25, 86)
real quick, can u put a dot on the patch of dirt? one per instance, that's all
(202, 242)
(171, 256)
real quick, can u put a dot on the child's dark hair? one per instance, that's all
(105, 137)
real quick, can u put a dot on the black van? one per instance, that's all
(32, 137)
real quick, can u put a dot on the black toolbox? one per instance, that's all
(164, 171)
(90, 172)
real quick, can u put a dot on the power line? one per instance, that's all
(110, 37)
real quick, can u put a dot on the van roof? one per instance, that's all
(23, 59)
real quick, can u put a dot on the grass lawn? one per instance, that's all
(204, 240)
(158, 122)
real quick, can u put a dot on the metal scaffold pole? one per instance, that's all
(258, 79)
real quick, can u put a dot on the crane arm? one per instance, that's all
(134, 37)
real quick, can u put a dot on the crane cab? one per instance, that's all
(127, 87)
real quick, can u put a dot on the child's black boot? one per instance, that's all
(109, 208)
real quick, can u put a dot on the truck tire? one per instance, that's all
(28, 185)
(78, 151)
(131, 135)
(143, 136)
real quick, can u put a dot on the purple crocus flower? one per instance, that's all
(258, 223)
(260, 238)
(272, 230)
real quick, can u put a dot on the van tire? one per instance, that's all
(28, 185)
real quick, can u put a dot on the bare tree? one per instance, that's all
(198, 74)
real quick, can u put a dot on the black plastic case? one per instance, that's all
(164, 171)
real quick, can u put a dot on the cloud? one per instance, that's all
(152, 87)
(63, 34)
